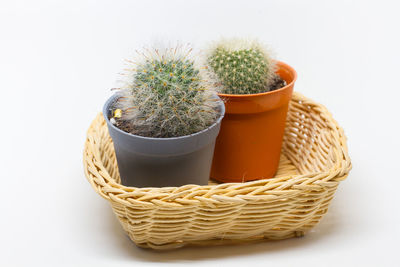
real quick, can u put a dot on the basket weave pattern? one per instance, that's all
(314, 160)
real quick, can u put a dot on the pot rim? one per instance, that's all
(279, 63)
(215, 124)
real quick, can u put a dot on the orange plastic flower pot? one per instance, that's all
(249, 143)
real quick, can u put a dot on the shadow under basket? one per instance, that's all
(314, 160)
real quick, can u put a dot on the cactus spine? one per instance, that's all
(240, 67)
(165, 95)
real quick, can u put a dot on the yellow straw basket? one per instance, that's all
(314, 160)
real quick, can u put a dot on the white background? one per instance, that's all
(58, 60)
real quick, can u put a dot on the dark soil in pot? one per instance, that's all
(277, 83)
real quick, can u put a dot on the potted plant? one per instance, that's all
(164, 120)
(256, 90)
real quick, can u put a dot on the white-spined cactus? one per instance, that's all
(165, 95)
(239, 66)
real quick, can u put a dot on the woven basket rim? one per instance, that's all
(272, 188)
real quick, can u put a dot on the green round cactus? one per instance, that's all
(240, 67)
(165, 95)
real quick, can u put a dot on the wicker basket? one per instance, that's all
(314, 160)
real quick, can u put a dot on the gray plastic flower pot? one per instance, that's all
(162, 162)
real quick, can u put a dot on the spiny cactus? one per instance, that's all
(164, 95)
(241, 67)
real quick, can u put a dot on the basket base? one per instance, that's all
(214, 242)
